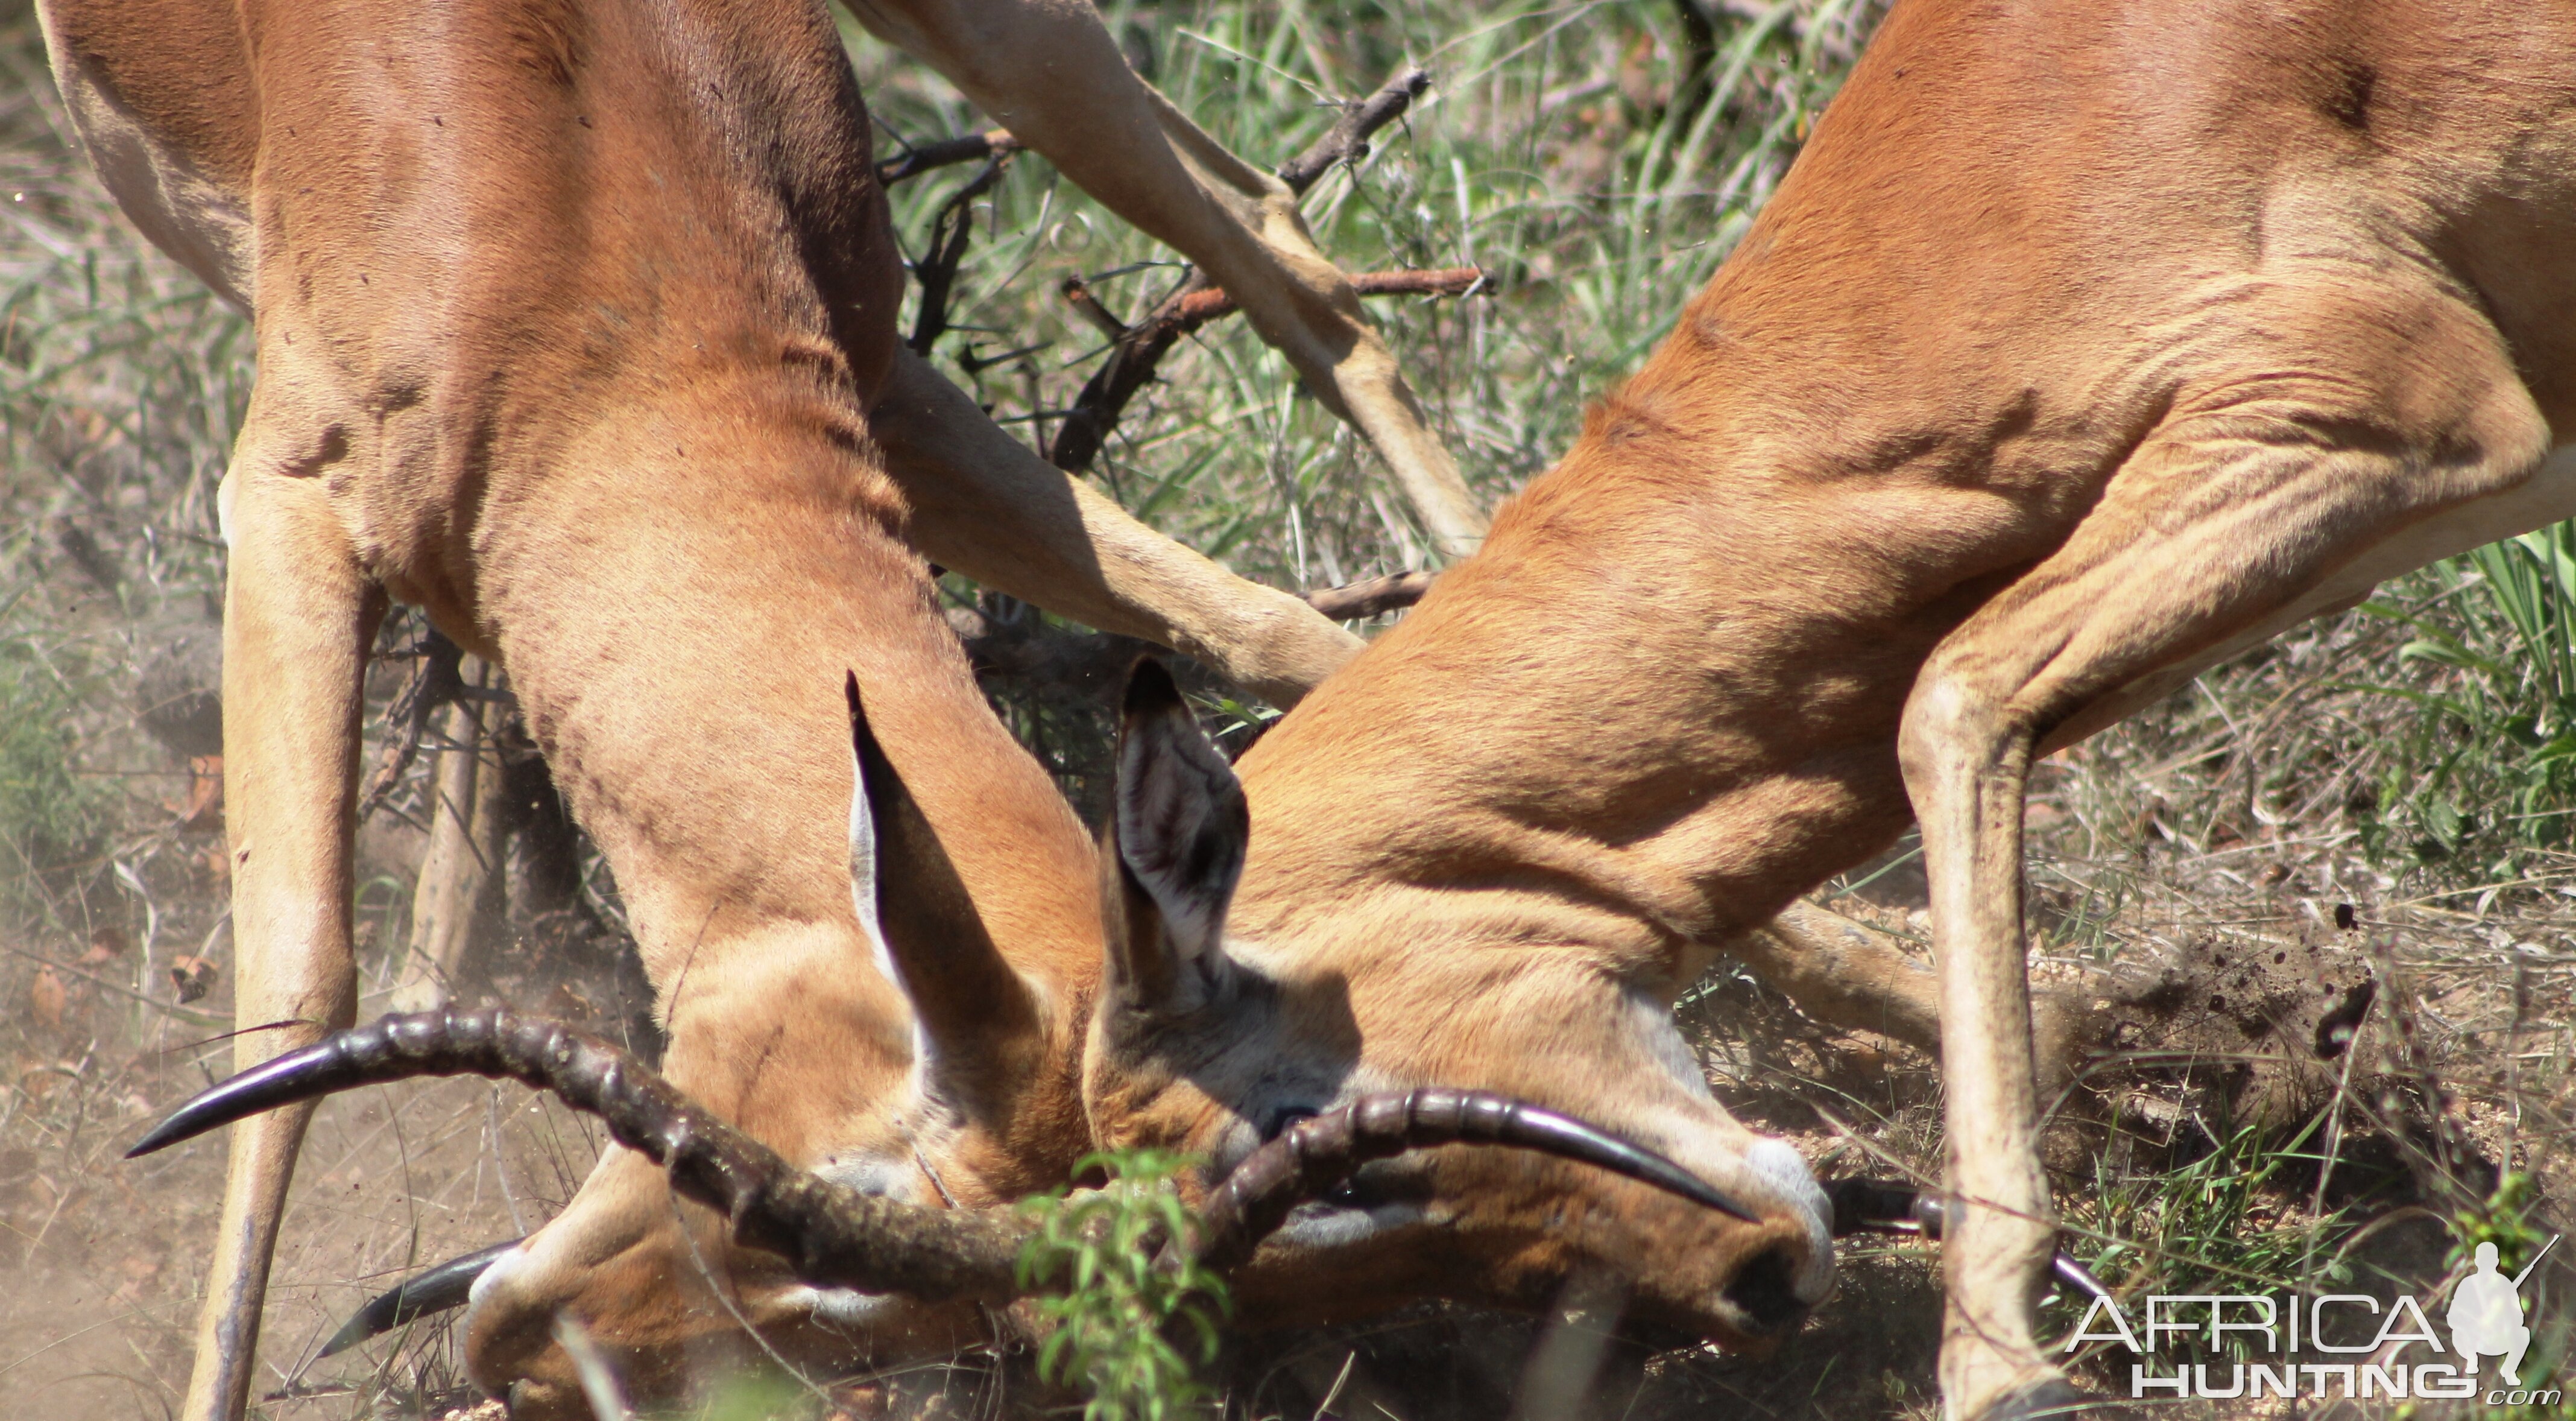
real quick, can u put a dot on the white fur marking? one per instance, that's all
(863, 870)
(1663, 1040)
(891, 1176)
(490, 1278)
(1329, 1227)
(1778, 1164)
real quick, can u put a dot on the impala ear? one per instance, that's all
(975, 1020)
(1177, 842)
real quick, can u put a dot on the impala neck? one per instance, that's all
(1663, 701)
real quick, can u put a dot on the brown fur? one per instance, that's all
(575, 327)
(2085, 343)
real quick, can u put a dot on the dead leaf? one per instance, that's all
(46, 996)
(105, 945)
(205, 806)
(193, 976)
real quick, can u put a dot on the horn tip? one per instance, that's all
(351, 1333)
(178, 1125)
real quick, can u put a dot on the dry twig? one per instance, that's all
(965, 148)
(434, 682)
(949, 233)
(1347, 141)
(1141, 347)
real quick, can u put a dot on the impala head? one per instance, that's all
(1211, 1042)
(988, 1111)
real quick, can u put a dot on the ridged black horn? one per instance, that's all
(423, 1294)
(1888, 1206)
(830, 1234)
(1313, 1156)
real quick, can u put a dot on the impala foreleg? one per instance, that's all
(298, 618)
(1847, 974)
(1844, 974)
(1049, 71)
(2224, 522)
(986, 506)
(1965, 769)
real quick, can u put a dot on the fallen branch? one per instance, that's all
(1209, 303)
(1347, 141)
(1141, 347)
(947, 152)
(434, 682)
(949, 233)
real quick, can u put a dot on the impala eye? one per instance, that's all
(1365, 1189)
(1281, 1119)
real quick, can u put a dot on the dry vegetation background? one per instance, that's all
(2382, 797)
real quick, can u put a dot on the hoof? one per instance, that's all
(2052, 1397)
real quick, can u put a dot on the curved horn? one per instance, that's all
(431, 1291)
(1887, 1206)
(1313, 1156)
(830, 1234)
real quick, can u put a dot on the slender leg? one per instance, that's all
(1996, 1251)
(986, 506)
(1843, 974)
(298, 617)
(464, 839)
(2222, 518)
(1049, 71)
(1848, 974)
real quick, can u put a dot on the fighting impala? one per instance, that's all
(876, 1257)
(575, 326)
(2085, 345)
(571, 323)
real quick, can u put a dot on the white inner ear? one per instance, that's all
(863, 870)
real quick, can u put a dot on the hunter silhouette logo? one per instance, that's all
(2486, 1314)
(2485, 1317)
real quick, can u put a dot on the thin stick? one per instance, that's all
(1210, 303)
(436, 679)
(1347, 141)
(1132, 361)
(1197, 301)
(2535, 1260)
(947, 152)
(937, 270)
